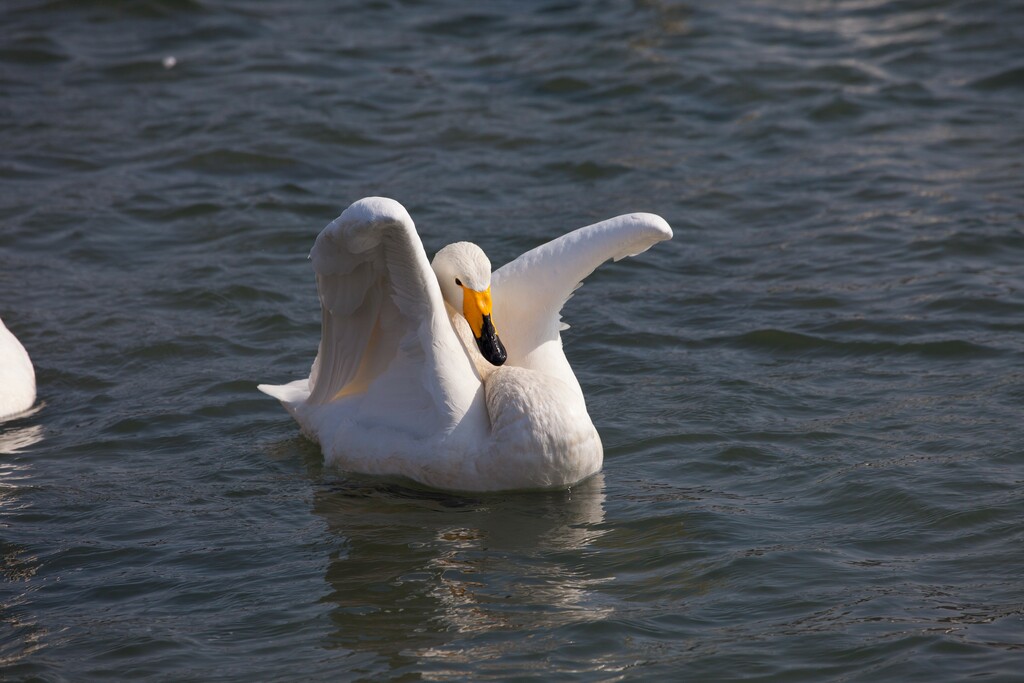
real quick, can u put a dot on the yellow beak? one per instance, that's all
(476, 307)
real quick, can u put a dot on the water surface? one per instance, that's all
(810, 399)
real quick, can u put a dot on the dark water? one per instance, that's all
(811, 399)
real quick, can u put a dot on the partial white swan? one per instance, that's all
(17, 377)
(411, 378)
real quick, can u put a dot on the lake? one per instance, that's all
(811, 399)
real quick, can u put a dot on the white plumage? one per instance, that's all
(17, 377)
(399, 386)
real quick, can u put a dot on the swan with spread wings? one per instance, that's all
(444, 372)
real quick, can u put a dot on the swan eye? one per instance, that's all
(458, 282)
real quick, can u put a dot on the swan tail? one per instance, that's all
(291, 394)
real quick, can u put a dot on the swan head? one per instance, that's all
(464, 273)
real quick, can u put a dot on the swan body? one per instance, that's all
(17, 377)
(412, 378)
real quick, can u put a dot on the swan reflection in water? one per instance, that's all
(426, 575)
(18, 564)
(16, 439)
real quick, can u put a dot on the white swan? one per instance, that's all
(411, 378)
(17, 377)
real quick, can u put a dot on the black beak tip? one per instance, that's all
(492, 349)
(490, 346)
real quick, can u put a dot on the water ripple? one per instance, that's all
(809, 398)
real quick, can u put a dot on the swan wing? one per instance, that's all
(380, 307)
(530, 291)
(379, 300)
